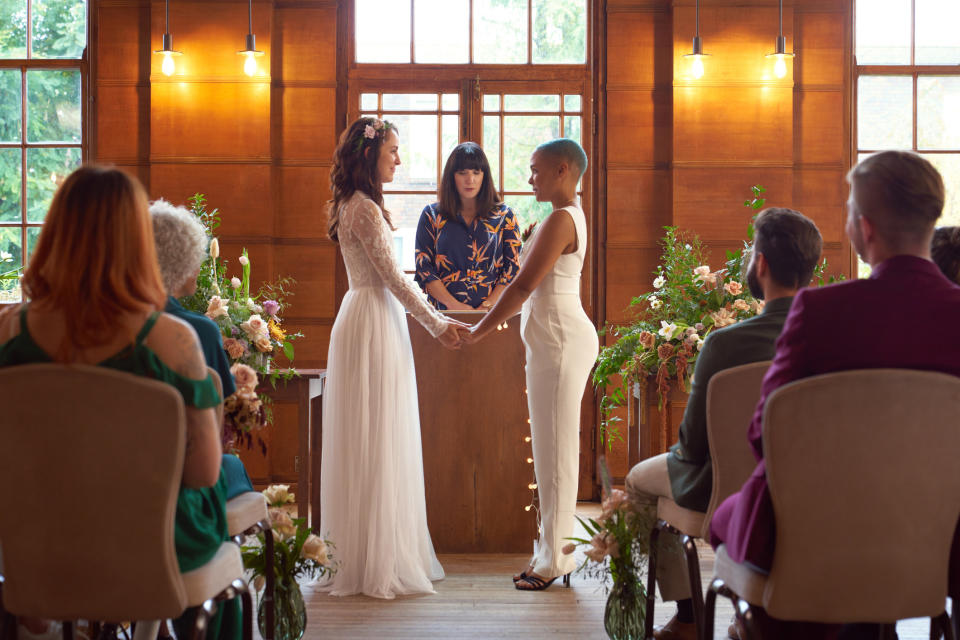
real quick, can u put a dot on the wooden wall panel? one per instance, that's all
(240, 191)
(733, 124)
(635, 204)
(821, 195)
(302, 202)
(312, 263)
(302, 33)
(210, 120)
(820, 128)
(120, 131)
(822, 43)
(629, 273)
(123, 38)
(638, 127)
(308, 131)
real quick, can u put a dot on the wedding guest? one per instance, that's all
(561, 349)
(468, 243)
(181, 250)
(785, 252)
(895, 200)
(945, 251)
(96, 296)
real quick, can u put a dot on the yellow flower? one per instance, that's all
(276, 332)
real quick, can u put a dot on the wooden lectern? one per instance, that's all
(474, 421)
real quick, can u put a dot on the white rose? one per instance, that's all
(702, 270)
(255, 327)
(235, 283)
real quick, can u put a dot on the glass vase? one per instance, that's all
(626, 609)
(290, 613)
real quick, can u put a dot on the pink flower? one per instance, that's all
(612, 503)
(733, 287)
(741, 305)
(723, 318)
(603, 544)
(255, 327)
(271, 307)
(378, 124)
(370, 132)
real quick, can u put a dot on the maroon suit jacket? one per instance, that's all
(904, 316)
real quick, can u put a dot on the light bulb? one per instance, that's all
(529, 460)
(780, 68)
(167, 66)
(531, 486)
(250, 65)
(697, 68)
(527, 439)
(526, 508)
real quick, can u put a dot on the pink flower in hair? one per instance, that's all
(369, 132)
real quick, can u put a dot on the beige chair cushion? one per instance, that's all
(744, 581)
(685, 520)
(244, 511)
(215, 576)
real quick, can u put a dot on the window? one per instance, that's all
(471, 31)
(42, 81)
(507, 74)
(908, 85)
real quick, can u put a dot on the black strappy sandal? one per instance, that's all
(539, 584)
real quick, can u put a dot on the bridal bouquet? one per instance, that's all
(252, 329)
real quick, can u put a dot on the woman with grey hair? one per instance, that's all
(181, 249)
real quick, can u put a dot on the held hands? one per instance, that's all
(453, 336)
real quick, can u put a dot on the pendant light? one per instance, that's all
(781, 55)
(697, 55)
(250, 52)
(167, 66)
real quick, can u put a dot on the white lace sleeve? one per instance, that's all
(366, 224)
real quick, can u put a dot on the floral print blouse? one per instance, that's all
(469, 261)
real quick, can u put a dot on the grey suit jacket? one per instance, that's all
(752, 340)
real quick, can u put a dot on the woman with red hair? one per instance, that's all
(95, 296)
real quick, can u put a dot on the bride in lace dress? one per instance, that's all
(371, 479)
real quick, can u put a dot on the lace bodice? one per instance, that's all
(367, 247)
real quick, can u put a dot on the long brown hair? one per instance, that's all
(95, 259)
(355, 168)
(466, 156)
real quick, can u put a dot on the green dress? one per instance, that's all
(200, 524)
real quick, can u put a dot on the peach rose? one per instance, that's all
(282, 524)
(741, 305)
(234, 347)
(723, 318)
(244, 376)
(612, 503)
(262, 343)
(314, 548)
(647, 339)
(216, 308)
(733, 287)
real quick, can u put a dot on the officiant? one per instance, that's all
(467, 243)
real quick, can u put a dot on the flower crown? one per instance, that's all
(378, 128)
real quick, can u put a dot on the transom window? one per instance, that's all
(471, 31)
(42, 80)
(908, 85)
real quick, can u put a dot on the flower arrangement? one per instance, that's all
(689, 300)
(377, 128)
(296, 553)
(618, 549)
(252, 330)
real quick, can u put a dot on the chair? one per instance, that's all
(861, 467)
(101, 452)
(732, 397)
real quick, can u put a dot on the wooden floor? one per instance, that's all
(477, 600)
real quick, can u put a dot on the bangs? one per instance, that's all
(466, 159)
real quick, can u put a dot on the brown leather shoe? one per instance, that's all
(676, 630)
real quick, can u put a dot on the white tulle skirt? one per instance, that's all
(372, 494)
